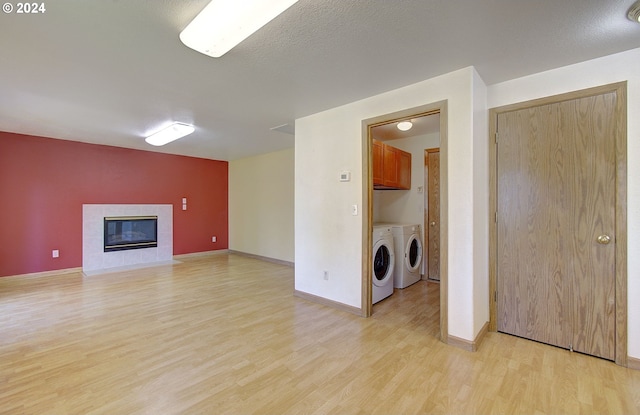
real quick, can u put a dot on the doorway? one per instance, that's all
(558, 239)
(368, 148)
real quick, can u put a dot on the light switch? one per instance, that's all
(354, 210)
(184, 200)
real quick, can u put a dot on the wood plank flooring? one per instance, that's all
(223, 334)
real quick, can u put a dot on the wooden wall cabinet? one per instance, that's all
(391, 167)
(378, 158)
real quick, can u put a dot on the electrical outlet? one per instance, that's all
(214, 239)
(55, 253)
(326, 275)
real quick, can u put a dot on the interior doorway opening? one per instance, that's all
(407, 203)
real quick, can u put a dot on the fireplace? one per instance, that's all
(130, 232)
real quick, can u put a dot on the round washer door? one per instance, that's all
(383, 263)
(413, 253)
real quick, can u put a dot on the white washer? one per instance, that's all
(383, 263)
(408, 249)
(408, 243)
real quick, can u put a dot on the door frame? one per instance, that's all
(620, 89)
(367, 216)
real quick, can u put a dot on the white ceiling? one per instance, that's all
(110, 71)
(421, 125)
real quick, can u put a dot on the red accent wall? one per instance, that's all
(44, 182)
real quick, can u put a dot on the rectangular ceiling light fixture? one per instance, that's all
(169, 134)
(222, 24)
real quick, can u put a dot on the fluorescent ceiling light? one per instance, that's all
(222, 24)
(634, 12)
(405, 125)
(169, 134)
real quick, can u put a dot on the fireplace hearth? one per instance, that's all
(130, 232)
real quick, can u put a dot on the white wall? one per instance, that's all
(329, 238)
(261, 200)
(615, 68)
(480, 205)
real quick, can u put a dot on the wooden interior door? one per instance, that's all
(556, 196)
(432, 161)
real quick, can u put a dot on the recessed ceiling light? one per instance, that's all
(222, 24)
(405, 125)
(634, 12)
(169, 134)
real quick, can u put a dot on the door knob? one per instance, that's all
(433, 223)
(603, 239)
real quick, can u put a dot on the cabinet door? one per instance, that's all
(378, 159)
(390, 178)
(404, 170)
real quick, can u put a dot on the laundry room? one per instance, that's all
(405, 203)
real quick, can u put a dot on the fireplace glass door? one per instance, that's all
(130, 232)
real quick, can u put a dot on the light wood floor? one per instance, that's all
(223, 334)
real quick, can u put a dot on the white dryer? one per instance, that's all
(408, 247)
(383, 263)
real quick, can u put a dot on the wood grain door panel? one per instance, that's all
(378, 154)
(404, 170)
(390, 166)
(593, 268)
(555, 196)
(433, 214)
(532, 295)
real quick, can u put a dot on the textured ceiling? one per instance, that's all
(110, 71)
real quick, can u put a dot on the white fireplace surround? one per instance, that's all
(96, 261)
